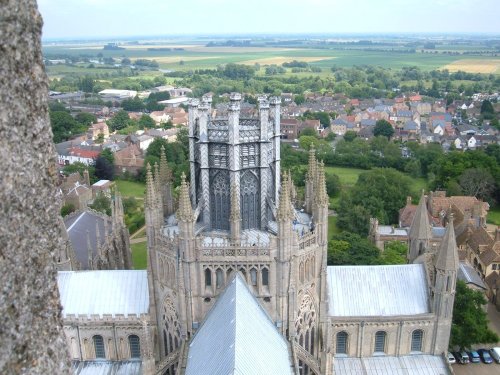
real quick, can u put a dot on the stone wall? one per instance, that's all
(31, 336)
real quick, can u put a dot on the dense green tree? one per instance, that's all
(350, 135)
(383, 128)
(86, 118)
(134, 104)
(477, 182)
(333, 185)
(146, 122)
(119, 121)
(102, 203)
(86, 84)
(394, 253)
(309, 132)
(351, 249)
(299, 99)
(487, 107)
(470, 323)
(64, 126)
(237, 71)
(378, 193)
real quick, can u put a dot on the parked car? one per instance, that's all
(485, 355)
(495, 354)
(464, 357)
(461, 357)
(474, 356)
(451, 358)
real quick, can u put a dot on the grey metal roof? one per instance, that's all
(103, 367)
(86, 293)
(238, 337)
(77, 226)
(468, 274)
(377, 290)
(405, 365)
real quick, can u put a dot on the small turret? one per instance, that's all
(447, 258)
(285, 210)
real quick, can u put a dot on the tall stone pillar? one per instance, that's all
(31, 334)
(275, 113)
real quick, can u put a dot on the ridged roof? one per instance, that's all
(357, 291)
(116, 292)
(238, 337)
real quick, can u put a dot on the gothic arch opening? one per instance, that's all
(250, 200)
(219, 200)
(305, 325)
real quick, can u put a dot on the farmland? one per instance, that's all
(192, 55)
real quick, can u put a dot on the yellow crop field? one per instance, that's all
(474, 65)
(278, 60)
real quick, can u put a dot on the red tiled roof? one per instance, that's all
(89, 154)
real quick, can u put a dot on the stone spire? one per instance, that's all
(321, 196)
(156, 177)
(310, 179)
(447, 259)
(185, 211)
(420, 231)
(285, 211)
(420, 227)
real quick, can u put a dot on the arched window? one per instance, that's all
(219, 275)
(229, 273)
(416, 340)
(306, 270)
(99, 346)
(301, 272)
(135, 346)
(208, 277)
(265, 277)
(341, 347)
(253, 276)
(243, 272)
(380, 342)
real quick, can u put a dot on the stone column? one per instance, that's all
(275, 111)
(234, 140)
(192, 118)
(31, 333)
(204, 175)
(264, 162)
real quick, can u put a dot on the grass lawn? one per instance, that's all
(332, 226)
(348, 176)
(416, 187)
(494, 215)
(131, 189)
(139, 255)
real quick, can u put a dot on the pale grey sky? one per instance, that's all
(112, 18)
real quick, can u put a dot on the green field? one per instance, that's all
(494, 215)
(131, 189)
(196, 56)
(139, 255)
(348, 176)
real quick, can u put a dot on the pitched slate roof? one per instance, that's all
(363, 291)
(469, 275)
(77, 226)
(103, 367)
(117, 292)
(385, 365)
(238, 337)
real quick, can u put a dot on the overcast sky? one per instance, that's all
(112, 18)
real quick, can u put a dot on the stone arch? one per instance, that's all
(171, 271)
(301, 272)
(249, 200)
(171, 327)
(307, 271)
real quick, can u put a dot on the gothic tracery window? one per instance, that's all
(306, 323)
(220, 201)
(250, 202)
(171, 330)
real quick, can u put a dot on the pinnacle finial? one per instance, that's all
(165, 172)
(321, 198)
(150, 193)
(185, 211)
(311, 170)
(285, 211)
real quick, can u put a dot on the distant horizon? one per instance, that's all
(222, 35)
(112, 19)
